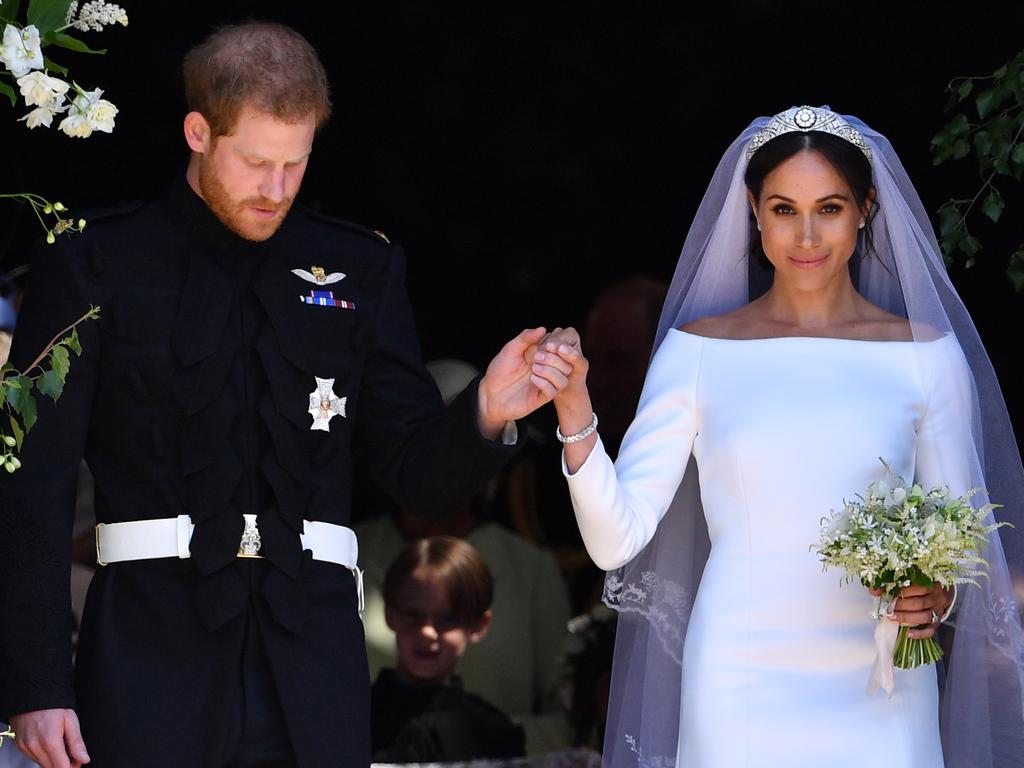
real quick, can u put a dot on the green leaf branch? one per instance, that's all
(45, 375)
(991, 128)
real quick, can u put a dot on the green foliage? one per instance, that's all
(17, 388)
(995, 144)
(62, 40)
(47, 15)
(9, 9)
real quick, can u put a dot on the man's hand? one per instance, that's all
(514, 385)
(51, 737)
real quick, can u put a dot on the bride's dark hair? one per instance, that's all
(849, 162)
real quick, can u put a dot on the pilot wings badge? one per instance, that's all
(318, 276)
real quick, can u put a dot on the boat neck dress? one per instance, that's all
(778, 652)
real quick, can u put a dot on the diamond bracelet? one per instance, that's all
(581, 435)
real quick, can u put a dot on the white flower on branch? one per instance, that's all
(88, 113)
(21, 51)
(76, 126)
(43, 115)
(41, 90)
(95, 15)
(100, 115)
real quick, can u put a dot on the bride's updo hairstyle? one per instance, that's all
(847, 159)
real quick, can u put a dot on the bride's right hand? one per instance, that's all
(563, 344)
(572, 403)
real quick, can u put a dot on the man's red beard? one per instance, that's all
(232, 213)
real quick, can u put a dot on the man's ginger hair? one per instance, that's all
(263, 66)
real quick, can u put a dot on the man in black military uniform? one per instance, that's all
(245, 358)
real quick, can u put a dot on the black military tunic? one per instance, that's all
(192, 396)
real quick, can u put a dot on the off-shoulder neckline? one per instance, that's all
(811, 338)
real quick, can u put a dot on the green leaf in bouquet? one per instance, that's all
(10, 93)
(51, 384)
(19, 434)
(921, 580)
(48, 15)
(60, 361)
(18, 390)
(72, 342)
(9, 9)
(27, 410)
(62, 40)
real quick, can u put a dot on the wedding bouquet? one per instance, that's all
(896, 535)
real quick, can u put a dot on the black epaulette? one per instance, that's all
(374, 234)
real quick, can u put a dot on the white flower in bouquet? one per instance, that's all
(95, 15)
(88, 113)
(41, 90)
(76, 126)
(22, 50)
(897, 535)
(42, 115)
(100, 115)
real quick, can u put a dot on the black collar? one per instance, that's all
(192, 215)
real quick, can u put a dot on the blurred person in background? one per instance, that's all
(531, 603)
(437, 596)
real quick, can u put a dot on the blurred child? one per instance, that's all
(437, 597)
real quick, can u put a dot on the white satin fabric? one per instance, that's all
(778, 653)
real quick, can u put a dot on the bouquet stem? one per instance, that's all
(913, 652)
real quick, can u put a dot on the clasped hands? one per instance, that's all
(531, 370)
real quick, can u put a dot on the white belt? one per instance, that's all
(170, 537)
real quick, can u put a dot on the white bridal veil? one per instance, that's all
(982, 698)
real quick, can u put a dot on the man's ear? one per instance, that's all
(479, 630)
(197, 133)
(389, 617)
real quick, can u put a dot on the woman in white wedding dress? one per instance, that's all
(744, 652)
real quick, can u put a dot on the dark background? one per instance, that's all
(527, 155)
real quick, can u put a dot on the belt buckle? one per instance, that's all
(249, 546)
(99, 553)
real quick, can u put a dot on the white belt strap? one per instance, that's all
(170, 537)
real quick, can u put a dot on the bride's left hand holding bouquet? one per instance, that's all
(897, 535)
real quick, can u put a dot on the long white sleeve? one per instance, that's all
(944, 444)
(618, 506)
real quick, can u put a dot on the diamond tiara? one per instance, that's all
(805, 119)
